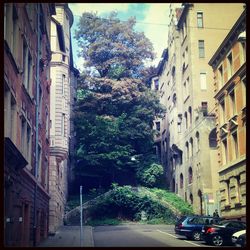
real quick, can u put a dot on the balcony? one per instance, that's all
(223, 130)
(233, 122)
(12, 156)
(243, 114)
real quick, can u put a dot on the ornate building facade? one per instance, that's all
(27, 56)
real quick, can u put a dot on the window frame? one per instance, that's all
(201, 48)
(200, 21)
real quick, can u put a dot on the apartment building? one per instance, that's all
(62, 73)
(187, 133)
(26, 122)
(229, 66)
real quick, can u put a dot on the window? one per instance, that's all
(10, 114)
(187, 151)
(11, 28)
(63, 58)
(190, 114)
(179, 123)
(243, 84)
(186, 120)
(181, 180)
(197, 136)
(201, 48)
(220, 76)
(204, 108)
(156, 84)
(191, 198)
(173, 75)
(158, 126)
(235, 150)
(28, 143)
(203, 81)
(63, 127)
(23, 135)
(232, 103)
(224, 152)
(27, 68)
(222, 112)
(228, 198)
(229, 65)
(213, 139)
(238, 188)
(191, 146)
(199, 19)
(63, 84)
(243, 52)
(174, 99)
(190, 175)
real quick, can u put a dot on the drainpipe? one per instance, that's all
(37, 124)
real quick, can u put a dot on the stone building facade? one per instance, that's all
(229, 66)
(60, 102)
(27, 56)
(187, 133)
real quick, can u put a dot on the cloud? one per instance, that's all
(101, 8)
(156, 27)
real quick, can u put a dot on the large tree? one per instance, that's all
(115, 108)
(112, 46)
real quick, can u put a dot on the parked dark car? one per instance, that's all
(221, 233)
(241, 241)
(191, 226)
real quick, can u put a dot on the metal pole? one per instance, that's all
(81, 216)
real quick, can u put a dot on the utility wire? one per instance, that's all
(160, 24)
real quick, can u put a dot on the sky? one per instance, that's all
(152, 19)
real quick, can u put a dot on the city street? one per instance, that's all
(137, 235)
(127, 235)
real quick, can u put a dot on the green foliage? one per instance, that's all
(123, 203)
(112, 46)
(184, 207)
(151, 175)
(115, 109)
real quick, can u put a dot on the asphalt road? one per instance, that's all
(138, 235)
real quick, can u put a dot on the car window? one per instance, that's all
(236, 224)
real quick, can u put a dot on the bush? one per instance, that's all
(123, 203)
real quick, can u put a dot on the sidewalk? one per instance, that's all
(69, 236)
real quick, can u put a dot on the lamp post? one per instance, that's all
(81, 216)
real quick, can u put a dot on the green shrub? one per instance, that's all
(123, 203)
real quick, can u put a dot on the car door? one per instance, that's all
(231, 228)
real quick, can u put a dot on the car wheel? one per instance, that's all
(196, 235)
(217, 240)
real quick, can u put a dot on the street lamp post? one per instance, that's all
(81, 217)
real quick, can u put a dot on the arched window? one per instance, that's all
(187, 151)
(186, 120)
(190, 115)
(197, 136)
(191, 146)
(174, 99)
(190, 175)
(191, 198)
(213, 139)
(181, 180)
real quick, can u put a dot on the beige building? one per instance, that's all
(61, 76)
(188, 134)
(229, 65)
